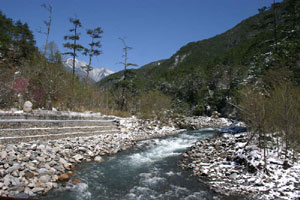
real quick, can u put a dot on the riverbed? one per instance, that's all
(147, 171)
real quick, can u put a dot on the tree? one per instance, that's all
(126, 64)
(254, 112)
(275, 25)
(48, 7)
(284, 114)
(94, 49)
(74, 47)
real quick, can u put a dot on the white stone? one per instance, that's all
(27, 106)
(3, 155)
(45, 179)
(37, 189)
(78, 157)
(98, 159)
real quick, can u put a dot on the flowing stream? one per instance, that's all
(148, 171)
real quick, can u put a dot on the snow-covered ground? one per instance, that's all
(231, 168)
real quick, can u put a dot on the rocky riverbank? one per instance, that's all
(34, 168)
(229, 167)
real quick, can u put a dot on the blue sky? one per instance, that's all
(155, 29)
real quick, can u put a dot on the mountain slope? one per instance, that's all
(96, 74)
(203, 75)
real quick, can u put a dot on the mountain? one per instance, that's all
(202, 76)
(96, 74)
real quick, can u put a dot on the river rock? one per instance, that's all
(98, 159)
(62, 161)
(233, 176)
(76, 181)
(7, 180)
(78, 157)
(42, 171)
(37, 189)
(28, 191)
(64, 177)
(6, 165)
(29, 175)
(44, 178)
(3, 155)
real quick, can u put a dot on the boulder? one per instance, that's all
(64, 177)
(27, 107)
(98, 159)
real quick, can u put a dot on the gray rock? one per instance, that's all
(28, 191)
(82, 149)
(3, 155)
(41, 147)
(27, 107)
(62, 161)
(37, 189)
(29, 175)
(42, 171)
(14, 181)
(6, 165)
(7, 180)
(78, 157)
(45, 179)
(13, 168)
(233, 176)
(98, 159)
(41, 159)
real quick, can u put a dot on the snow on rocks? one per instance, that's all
(198, 122)
(231, 168)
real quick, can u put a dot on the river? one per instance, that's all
(147, 171)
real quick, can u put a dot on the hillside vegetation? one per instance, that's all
(27, 75)
(207, 75)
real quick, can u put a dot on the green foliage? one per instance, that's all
(16, 41)
(209, 73)
(94, 49)
(73, 45)
(154, 104)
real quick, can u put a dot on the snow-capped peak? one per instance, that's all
(96, 74)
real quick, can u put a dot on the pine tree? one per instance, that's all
(74, 46)
(94, 49)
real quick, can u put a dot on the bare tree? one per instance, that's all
(48, 22)
(275, 25)
(94, 49)
(126, 65)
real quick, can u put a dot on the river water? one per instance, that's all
(147, 171)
